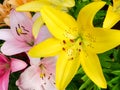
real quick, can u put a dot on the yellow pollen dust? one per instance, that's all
(42, 67)
(42, 75)
(19, 30)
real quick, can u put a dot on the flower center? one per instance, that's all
(4, 68)
(72, 48)
(23, 33)
(20, 30)
(44, 74)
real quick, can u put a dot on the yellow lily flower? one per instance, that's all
(37, 4)
(113, 14)
(75, 43)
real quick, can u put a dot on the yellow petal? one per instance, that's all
(112, 17)
(49, 47)
(33, 5)
(37, 25)
(60, 24)
(65, 3)
(87, 13)
(67, 65)
(65, 9)
(69, 3)
(101, 40)
(116, 4)
(65, 70)
(91, 65)
(62, 4)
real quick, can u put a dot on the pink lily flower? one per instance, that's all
(39, 76)
(7, 66)
(19, 37)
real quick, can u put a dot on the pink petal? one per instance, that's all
(34, 61)
(30, 79)
(17, 65)
(3, 59)
(19, 20)
(5, 34)
(31, 75)
(4, 80)
(14, 47)
(43, 34)
(50, 63)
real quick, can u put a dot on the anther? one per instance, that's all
(71, 40)
(24, 33)
(44, 74)
(50, 73)
(80, 43)
(24, 29)
(48, 77)
(17, 31)
(63, 49)
(72, 58)
(79, 50)
(19, 25)
(64, 41)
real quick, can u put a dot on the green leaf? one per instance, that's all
(12, 81)
(114, 80)
(85, 84)
(99, 18)
(117, 72)
(71, 86)
(116, 87)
